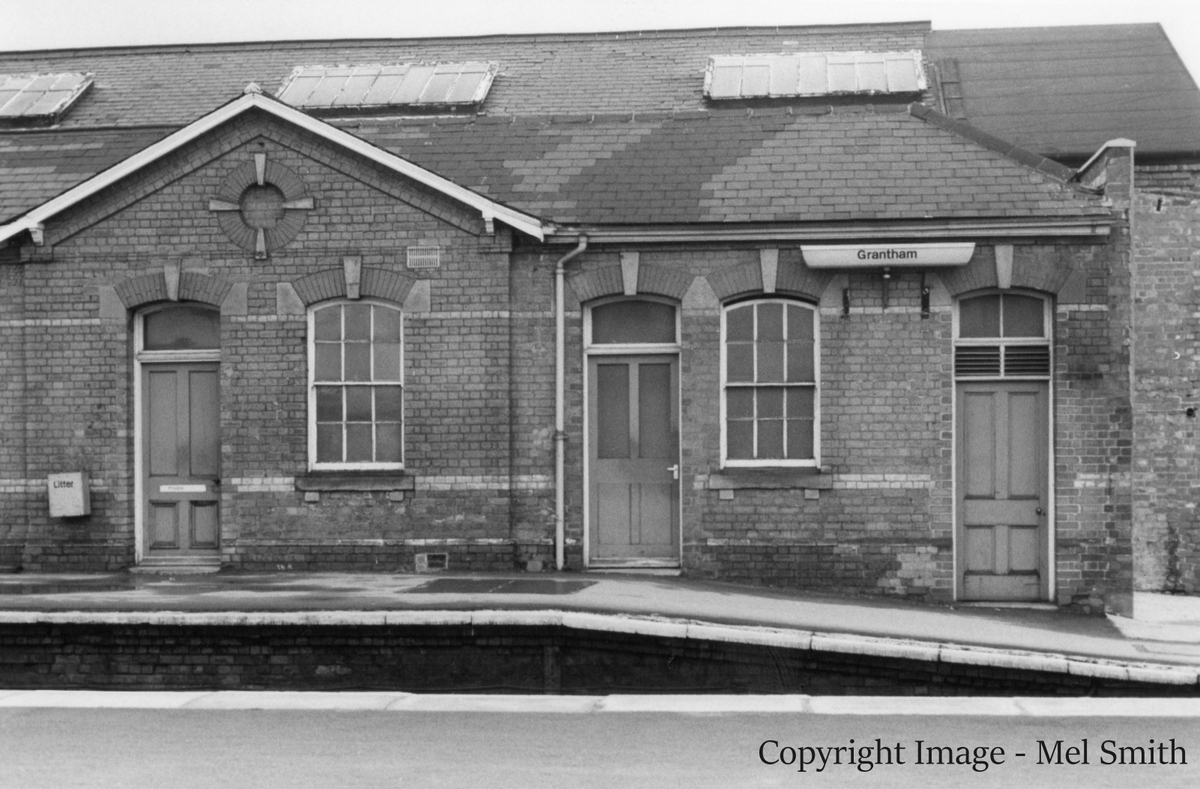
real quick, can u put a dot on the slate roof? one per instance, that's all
(1065, 91)
(733, 167)
(661, 71)
(614, 128)
(1060, 91)
(715, 167)
(37, 166)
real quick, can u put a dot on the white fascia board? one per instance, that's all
(488, 208)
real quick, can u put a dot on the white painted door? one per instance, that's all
(181, 460)
(1003, 492)
(634, 459)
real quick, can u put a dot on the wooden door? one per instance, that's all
(1003, 482)
(181, 460)
(634, 459)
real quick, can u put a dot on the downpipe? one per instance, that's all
(560, 436)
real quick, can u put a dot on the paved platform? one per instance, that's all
(1161, 644)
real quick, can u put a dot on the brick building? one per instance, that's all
(1118, 81)
(644, 301)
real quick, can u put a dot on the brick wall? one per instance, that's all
(78, 397)
(479, 399)
(884, 523)
(13, 488)
(1166, 378)
(488, 660)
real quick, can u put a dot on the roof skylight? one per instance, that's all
(403, 84)
(39, 97)
(813, 74)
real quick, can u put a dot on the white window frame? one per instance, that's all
(311, 341)
(815, 461)
(634, 348)
(1046, 339)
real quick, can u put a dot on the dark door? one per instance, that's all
(634, 463)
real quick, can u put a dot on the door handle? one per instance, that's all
(674, 471)
(1040, 511)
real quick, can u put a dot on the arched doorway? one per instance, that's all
(178, 438)
(1002, 366)
(632, 348)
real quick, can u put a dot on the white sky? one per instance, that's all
(41, 24)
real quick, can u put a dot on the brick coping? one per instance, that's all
(1035, 707)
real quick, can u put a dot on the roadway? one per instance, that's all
(262, 740)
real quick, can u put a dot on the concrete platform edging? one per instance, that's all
(871, 646)
(351, 701)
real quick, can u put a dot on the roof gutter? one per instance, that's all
(1095, 226)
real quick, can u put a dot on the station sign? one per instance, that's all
(886, 255)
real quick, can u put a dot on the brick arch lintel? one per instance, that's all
(652, 280)
(139, 291)
(375, 283)
(792, 279)
(1042, 270)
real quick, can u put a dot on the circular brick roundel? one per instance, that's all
(262, 207)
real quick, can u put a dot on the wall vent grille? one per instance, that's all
(424, 257)
(977, 361)
(1027, 360)
(992, 361)
(432, 562)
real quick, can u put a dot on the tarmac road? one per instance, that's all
(581, 742)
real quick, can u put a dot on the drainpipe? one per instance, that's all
(560, 436)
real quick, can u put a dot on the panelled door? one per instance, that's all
(181, 460)
(633, 444)
(1003, 490)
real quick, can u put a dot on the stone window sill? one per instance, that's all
(355, 481)
(771, 479)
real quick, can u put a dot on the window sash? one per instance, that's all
(757, 428)
(356, 373)
(772, 431)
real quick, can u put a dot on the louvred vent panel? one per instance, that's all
(977, 361)
(1027, 360)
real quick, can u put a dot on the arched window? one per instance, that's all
(641, 322)
(356, 386)
(770, 375)
(1002, 335)
(181, 327)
